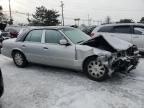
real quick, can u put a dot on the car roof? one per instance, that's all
(47, 27)
(118, 24)
(30, 28)
(36, 27)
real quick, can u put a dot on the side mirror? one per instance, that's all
(63, 42)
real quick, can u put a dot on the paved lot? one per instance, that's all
(46, 87)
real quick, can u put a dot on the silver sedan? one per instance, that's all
(70, 48)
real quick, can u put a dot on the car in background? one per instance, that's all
(0, 39)
(68, 47)
(131, 32)
(14, 31)
(1, 84)
(3, 36)
(87, 29)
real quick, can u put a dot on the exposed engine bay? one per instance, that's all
(122, 59)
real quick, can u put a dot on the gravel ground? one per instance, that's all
(47, 87)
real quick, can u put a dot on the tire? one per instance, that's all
(19, 59)
(1, 84)
(1, 91)
(95, 70)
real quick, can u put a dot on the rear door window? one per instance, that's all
(34, 36)
(105, 29)
(139, 30)
(122, 29)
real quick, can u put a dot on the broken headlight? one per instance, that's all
(105, 57)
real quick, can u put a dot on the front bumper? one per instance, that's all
(121, 64)
(125, 63)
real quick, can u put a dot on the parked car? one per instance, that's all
(3, 36)
(14, 31)
(131, 32)
(1, 84)
(87, 29)
(0, 39)
(68, 47)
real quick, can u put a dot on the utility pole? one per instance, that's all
(62, 5)
(88, 20)
(10, 10)
(28, 17)
(11, 20)
(77, 20)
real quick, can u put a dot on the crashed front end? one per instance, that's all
(122, 59)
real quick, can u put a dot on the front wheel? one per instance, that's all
(95, 70)
(19, 59)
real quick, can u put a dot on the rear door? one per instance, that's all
(138, 36)
(123, 32)
(32, 46)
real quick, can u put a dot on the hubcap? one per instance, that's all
(18, 59)
(96, 69)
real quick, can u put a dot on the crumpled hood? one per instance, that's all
(114, 42)
(117, 43)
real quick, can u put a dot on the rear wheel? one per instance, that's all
(95, 70)
(1, 84)
(19, 59)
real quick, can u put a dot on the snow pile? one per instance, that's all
(45, 87)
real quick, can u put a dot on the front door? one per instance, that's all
(56, 54)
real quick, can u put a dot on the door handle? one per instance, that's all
(45, 48)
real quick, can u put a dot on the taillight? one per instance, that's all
(13, 34)
(92, 34)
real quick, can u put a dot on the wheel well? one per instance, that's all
(16, 51)
(93, 56)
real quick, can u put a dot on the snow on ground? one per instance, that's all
(47, 87)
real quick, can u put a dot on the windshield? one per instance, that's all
(75, 35)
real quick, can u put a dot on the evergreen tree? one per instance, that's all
(44, 17)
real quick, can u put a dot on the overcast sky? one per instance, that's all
(96, 9)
